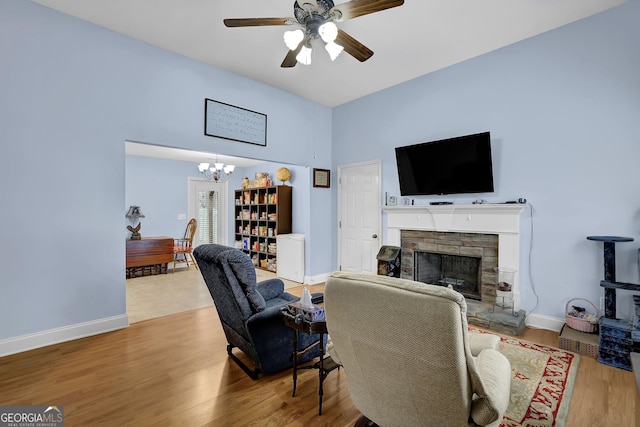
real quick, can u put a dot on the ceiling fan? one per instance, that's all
(316, 19)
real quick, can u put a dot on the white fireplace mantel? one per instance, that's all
(500, 219)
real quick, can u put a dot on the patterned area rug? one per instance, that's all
(541, 383)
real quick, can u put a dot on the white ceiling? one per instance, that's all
(408, 41)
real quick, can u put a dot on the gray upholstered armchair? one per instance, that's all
(249, 311)
(407, 356)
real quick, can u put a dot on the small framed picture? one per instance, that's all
(321, 178)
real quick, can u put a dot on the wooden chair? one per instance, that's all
(183, 248)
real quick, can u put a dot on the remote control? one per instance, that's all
(317, 298)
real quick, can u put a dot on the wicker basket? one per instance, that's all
(579, 324)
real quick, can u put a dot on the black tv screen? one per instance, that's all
(449, 166)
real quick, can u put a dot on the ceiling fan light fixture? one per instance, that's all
(328, 32)
(333, 49)
(304, 57)
(315, 19)
(293, 38)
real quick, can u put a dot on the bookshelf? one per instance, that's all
(260, 215)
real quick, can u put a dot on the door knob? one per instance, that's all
(375, 236)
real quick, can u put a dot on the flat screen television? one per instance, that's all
(449, 166)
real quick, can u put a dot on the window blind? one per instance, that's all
(208, 216)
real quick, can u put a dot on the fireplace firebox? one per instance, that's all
(461, 273)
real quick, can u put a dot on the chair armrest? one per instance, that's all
(267, 328)
(261, 316)
(479, 342)
(495, 373)
(270, 288)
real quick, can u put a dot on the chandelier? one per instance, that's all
(218, 172)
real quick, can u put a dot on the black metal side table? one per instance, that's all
(324, 365)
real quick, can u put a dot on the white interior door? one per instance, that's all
(359, 197)
(208, 205)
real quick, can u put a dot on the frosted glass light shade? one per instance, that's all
(333, 49)
(304, 57)
(215, 172)
(328, 32)
(293, 38)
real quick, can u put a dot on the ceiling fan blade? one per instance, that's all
(353, 47)
(290, 60)
(257, 22)
(354, 8)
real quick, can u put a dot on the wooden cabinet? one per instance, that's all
(260, 215)
(152, 252)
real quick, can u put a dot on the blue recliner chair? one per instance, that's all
(250, 312)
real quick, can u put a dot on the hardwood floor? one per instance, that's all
(174, 370)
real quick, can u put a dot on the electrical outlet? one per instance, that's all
(182, 217)
(602, 303)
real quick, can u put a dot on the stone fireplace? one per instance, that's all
(461, 245)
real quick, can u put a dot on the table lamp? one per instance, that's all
(134, 214)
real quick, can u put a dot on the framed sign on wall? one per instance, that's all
(321, 178)
(238, 124)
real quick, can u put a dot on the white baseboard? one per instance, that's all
(544, 322)
(58, 335)
(314, 280)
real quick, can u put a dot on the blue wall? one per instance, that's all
(562, 108)
(160, 187)
(563, 113)
(71, 94)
